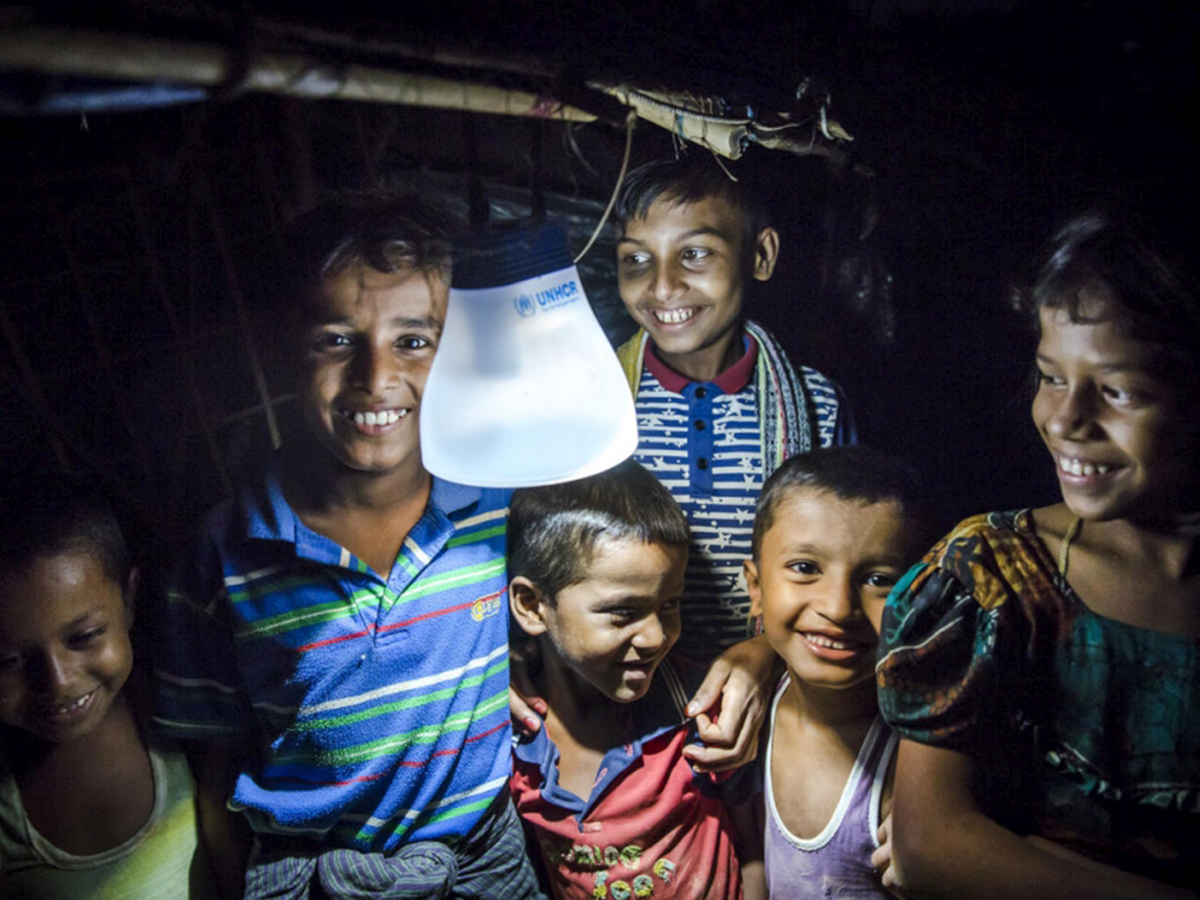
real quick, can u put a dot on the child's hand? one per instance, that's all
(881, 859)
(524, 705)
(730, 706)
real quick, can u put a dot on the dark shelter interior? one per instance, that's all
(140, 213)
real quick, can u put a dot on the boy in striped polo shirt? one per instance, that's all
(719, 405)
(338, 647)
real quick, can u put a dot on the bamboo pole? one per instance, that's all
(129, 57)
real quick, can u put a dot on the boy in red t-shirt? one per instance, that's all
(596, 569)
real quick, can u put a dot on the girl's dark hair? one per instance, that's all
(47, 515)
(855, 473)
(1102, 255)
(553, 530)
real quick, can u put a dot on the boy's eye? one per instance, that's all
(413, 342)
(633, 260)
(881, 580)
(330, 341)
(84, 638)
(1045, 378)
(804, 567)
(1140, 393)
(694, 254)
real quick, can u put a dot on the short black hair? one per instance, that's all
(553, 530)
(1106, 253)
(854, 473)
(689, 180)
(46, 515)
(387, 233)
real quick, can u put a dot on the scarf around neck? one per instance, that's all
(783, 400)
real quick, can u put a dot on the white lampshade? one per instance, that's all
(525, 388)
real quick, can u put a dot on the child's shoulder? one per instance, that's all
(464, 503)
(987, 557)
(778, 360)
(257, 505)
(1004, 533)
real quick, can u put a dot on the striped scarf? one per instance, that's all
(784, 403)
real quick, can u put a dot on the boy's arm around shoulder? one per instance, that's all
(943, 845)
(731, 703)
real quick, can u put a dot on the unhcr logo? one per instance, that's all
(525, 305)
(559, 295)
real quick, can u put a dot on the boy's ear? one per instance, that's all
(130, 594)
(527, 603)
(766, 253)
(753, 587)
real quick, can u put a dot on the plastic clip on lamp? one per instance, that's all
(525, 388)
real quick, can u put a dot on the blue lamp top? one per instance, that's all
(504, 256)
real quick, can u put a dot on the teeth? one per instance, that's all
(822, 641)
(674, 316)
(72, 706)
(386, 417)
(1076, 467)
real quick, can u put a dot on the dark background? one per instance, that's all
(134, 243)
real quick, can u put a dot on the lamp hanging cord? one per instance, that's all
(630, 119)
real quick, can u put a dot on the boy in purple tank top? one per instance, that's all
(833, 531)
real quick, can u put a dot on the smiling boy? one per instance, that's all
(834, 532)
(719, 406)
(340, 645)
(596, 571)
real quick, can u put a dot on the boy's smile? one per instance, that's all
(369, 342)
(824, 570)
(681, 270)
(65, 653)
(1111, 417)
(609, 633)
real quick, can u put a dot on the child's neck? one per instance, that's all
(706, 363)
(579, 707)
(91, 794)
(315, 481)
(367, 513)
(1143, 574)
(583, 723)
(845, 708)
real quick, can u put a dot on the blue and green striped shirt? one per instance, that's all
(379, 707)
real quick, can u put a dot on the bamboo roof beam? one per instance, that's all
(143, 58)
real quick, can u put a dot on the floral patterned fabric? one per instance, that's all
(1085, 730)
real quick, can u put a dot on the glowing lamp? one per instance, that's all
(525, 388)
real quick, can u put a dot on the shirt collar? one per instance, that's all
(268, 516)
(730, 381)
